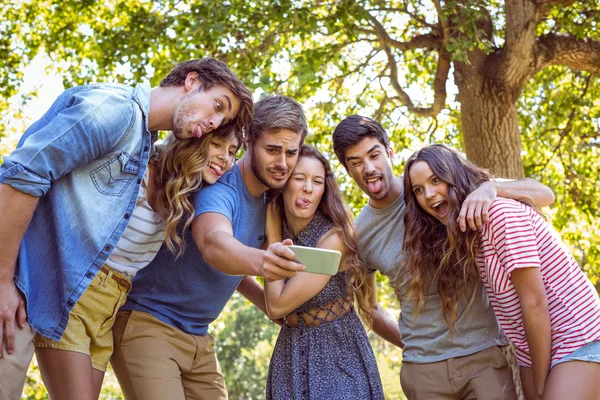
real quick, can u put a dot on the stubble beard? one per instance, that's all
(256, 169)
(178, 130)
(385, 189)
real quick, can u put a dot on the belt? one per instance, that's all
(115, 276)
(329, 312)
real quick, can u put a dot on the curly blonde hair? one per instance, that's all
(178, 166)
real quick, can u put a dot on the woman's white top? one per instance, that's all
(143, 237)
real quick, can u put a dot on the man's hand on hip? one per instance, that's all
(12, 308)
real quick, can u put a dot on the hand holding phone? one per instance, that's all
(317, 261)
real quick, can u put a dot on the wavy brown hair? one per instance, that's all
(212, 72)
(332, 207)
(428, 243)
(177, 168)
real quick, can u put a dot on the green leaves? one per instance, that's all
(561, 142)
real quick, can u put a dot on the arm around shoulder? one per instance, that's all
(527, 188)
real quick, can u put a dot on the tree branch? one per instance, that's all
(381, 107)
(427, 41)
(522, 17)
(446, 34)
(439, 85)
(431, 129)
(441, 75)
(403, 10)
(569, 124)
(567, 50)
(359, 67)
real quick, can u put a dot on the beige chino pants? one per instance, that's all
(485, 375)
(156, 361)
(13, 367)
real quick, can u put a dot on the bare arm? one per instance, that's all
(527, 188)
(283, 298)
(213, 234)
(273, 231)
(536, 320)
(475, 208)
(253, 291)
(16, 211)
(383, 324)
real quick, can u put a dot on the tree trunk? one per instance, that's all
(490, 123)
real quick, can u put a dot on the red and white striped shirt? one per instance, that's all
(518, 237)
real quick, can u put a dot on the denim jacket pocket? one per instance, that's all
(113, 177)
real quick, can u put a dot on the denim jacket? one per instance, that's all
(85, 159)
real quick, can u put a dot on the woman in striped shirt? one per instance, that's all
(543, 301)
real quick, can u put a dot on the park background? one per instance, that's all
(514, 84)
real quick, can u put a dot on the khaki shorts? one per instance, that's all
(89, 329)
(485, 375)
(156, 361)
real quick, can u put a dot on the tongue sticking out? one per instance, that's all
(442, 209)
(302, 203)
(375, 187)
(198, 132)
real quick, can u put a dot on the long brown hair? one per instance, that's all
(178, 166)
(332, 207)
(429, 244)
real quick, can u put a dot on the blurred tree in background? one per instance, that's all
(513, 83)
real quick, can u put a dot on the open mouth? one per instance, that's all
(279, 175)
(303, 203)
(440, 208)
(374, 184)
(215, 168)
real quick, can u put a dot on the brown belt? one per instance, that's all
(115, 276)
(331, 311)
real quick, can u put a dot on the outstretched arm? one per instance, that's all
(475, 208)
(16, 211)
(213, 234)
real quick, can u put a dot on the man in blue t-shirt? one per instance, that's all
(162, 348)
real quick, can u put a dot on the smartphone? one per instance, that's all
(317, 261)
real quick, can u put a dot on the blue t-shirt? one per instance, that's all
(187, 292)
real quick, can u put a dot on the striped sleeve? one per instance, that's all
(512, 233)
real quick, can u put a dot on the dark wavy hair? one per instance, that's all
(352, 130)
(332, 207)
(429, 244)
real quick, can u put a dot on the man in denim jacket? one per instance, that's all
(68, 190)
